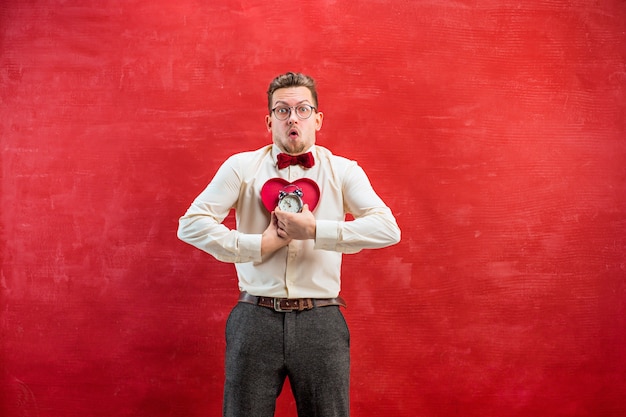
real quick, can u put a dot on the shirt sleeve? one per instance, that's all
(374, 225)
(201, 226)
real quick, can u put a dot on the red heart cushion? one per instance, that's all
(270, 190)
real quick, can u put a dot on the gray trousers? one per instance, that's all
(263, 347)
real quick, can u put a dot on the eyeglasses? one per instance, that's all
(303, 111)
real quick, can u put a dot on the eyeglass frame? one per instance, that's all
(313, 109)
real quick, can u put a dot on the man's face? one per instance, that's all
(293, 135)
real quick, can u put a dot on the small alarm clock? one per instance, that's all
(290, 199)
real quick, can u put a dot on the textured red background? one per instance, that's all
(494, 129)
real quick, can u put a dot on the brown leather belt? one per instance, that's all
(286, 305)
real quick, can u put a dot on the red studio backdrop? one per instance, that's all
(495, 130)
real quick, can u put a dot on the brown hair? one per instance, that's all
(291, 79)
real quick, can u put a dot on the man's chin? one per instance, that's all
(293, 149)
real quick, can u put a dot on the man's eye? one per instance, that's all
(282, 110)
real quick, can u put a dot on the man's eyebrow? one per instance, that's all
(300, 102)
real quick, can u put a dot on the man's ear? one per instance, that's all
(318, 120)
(268, 123)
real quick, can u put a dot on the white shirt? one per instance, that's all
(304, 268)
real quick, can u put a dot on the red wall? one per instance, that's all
(494, 129)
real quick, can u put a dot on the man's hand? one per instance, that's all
(271, 241)
(299, 226)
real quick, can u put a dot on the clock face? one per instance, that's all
(291, 203)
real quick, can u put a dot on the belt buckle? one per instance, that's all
(277, 307)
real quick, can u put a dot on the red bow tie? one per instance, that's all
(305, 159)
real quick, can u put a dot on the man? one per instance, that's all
(287, 322)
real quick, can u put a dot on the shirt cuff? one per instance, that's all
(249, 248)
(326, 234)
